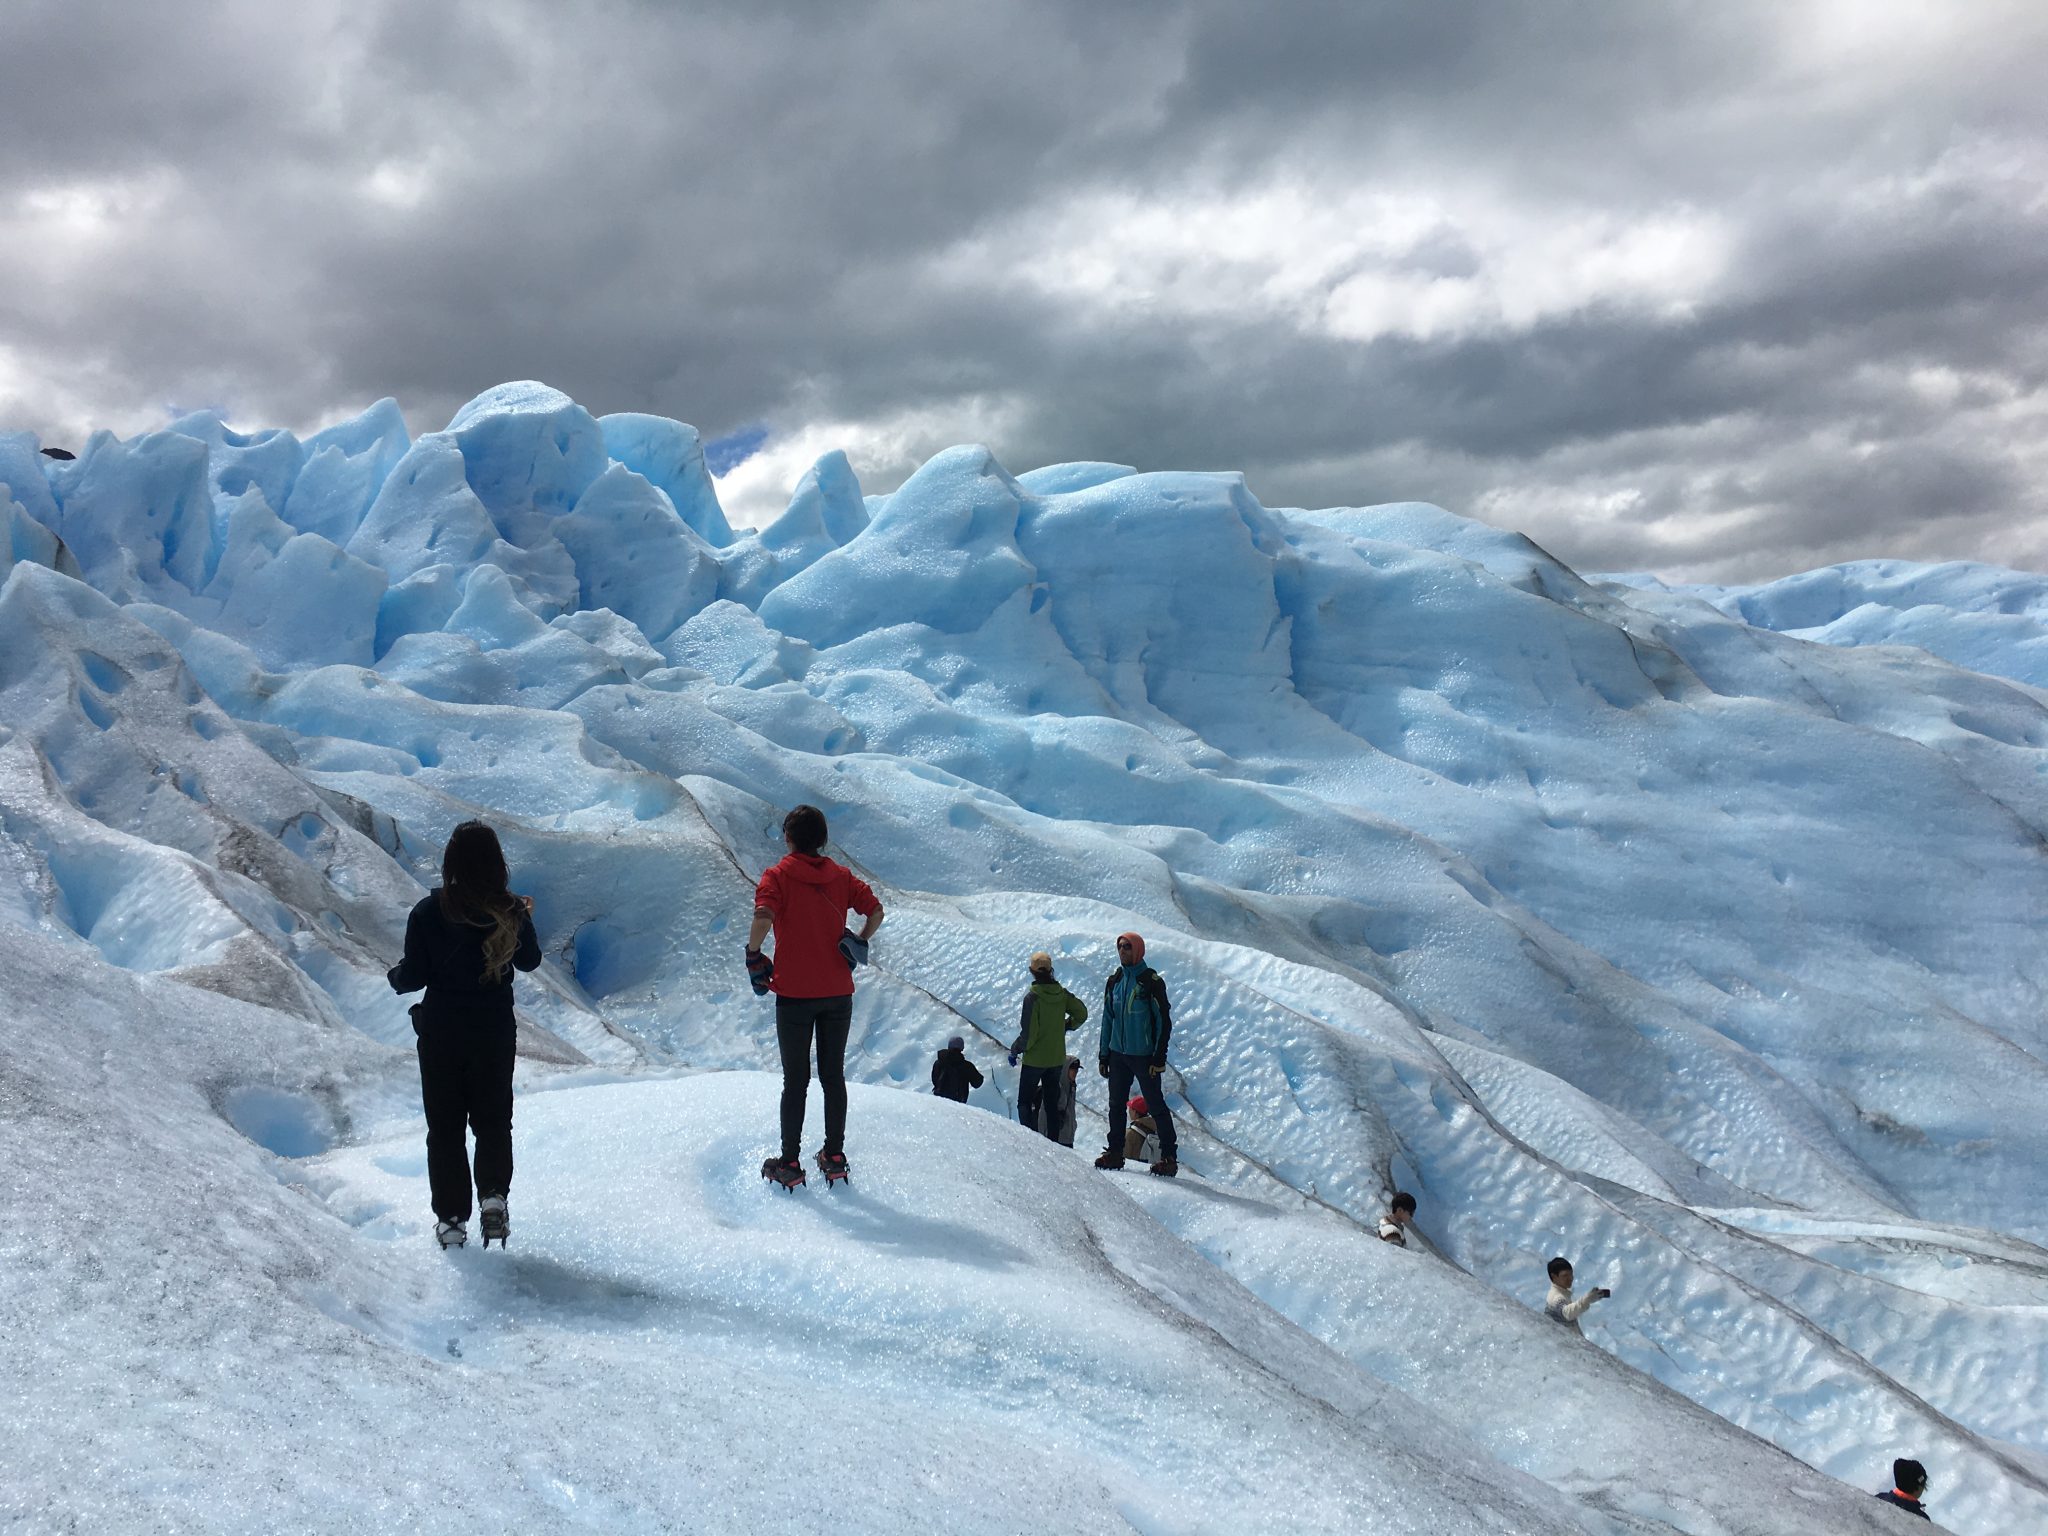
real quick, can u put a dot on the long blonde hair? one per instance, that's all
(476, 890)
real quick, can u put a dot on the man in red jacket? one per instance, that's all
(805, 899)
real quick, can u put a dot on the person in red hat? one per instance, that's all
(1137, 1022)
(1141, 1137)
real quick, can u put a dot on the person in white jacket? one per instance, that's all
(1559, 1304)
(1393, 1225)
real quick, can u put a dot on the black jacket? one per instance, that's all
(1893, 1496)
(953, 1074)
(447, 958)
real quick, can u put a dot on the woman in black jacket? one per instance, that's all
(462, 943)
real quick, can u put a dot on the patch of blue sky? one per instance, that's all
(723, 455)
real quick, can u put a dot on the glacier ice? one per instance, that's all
(1609, 918)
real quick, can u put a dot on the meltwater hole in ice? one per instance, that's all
(279, 1120)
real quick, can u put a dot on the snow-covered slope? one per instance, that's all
(1606, 922)
(980, 1332)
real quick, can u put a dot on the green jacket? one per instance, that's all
(1051, 1012)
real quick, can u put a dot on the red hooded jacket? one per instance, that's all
(809, 895)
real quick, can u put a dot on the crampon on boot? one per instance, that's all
(1166, 1168)
(495, 1220)
(834, 1166)
(1111, 1159)
(786, 1171)
(451, 1234)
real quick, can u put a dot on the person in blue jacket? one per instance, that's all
(1137, 1022)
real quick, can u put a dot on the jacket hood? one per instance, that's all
(811, 868)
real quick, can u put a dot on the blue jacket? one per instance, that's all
(1137, 1020)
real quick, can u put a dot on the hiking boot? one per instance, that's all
(1166, 1168)
(495, 1220)
(1110, 1159)
(451, 1234)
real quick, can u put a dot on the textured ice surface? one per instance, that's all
(1977, 616)
(1608, 920)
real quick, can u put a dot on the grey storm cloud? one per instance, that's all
(1818, 334)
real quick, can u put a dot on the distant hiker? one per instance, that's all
(1909, 1481)
(1070, 1099)
(1559, 1303)
(1051, 1013)
(1137, 1022)
(1059, 1127)
(1141, 1136)
(1394, 1225)
(462, 943)
(805, 899)
(953, 1074)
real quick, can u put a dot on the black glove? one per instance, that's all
(854, 948)
(1601, 1293)
(760, 969)
(1102, 1065)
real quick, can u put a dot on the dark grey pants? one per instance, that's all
(1123, 1071)
(797, 1021)
(1038, 1099)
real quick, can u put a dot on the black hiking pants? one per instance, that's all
(797, 1021)
(466, 1085)
(1039, 1099)
(1123, 1071)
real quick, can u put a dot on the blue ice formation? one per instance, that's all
(1978, 616)
(1627, 911)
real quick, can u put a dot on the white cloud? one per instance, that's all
(400, 184)
(884, 453)
(1357, 264)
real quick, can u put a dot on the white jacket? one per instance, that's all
(1390, 1232)
(1560, 1305)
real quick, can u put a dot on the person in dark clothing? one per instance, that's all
(1909, 1481)
(804, 899)
(953, 1074)
(462, 943)
(1051, 1013)
(1137, 1022)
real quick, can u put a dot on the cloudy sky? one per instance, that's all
(1718, 290)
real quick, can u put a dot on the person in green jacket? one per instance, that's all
(1137, 1023)
(1051, 1013)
